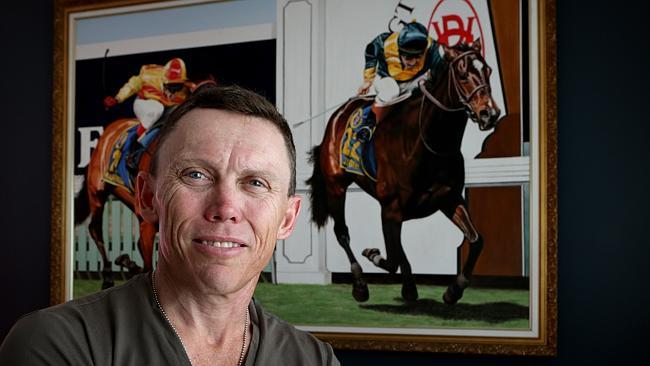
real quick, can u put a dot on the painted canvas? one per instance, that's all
(425, 139)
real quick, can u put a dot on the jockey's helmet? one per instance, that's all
(413, 39)
(175, 71)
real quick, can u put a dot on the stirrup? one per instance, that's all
(131, 162)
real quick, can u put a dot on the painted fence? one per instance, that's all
(120, 229)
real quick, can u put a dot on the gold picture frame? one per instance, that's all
(544, 84)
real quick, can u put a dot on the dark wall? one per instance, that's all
(26, 90)
(603, 181)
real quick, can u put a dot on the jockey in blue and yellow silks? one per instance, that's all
(395, 62)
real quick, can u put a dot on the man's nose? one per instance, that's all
(223, 205)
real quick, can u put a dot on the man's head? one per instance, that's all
(221, 188)
(412, 42)
(238, 100)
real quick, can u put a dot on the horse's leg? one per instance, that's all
(460, 217)
(95, 230)
(124, 260)
(145, 246)
(336, 205)
(395, 255)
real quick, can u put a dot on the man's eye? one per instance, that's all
(195, 175)
(256, 183)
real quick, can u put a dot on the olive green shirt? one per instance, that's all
(124, 326)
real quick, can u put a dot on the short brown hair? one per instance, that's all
(232, 99)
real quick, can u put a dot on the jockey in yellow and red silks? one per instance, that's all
(395, 62)
(156, 87)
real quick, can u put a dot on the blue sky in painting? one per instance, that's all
(226, 14)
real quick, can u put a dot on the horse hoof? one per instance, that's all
(123, 260)
(370, 253)
(409, 293)
(360, 290)
(453, 294)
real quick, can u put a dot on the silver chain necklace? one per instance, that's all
(155, 296)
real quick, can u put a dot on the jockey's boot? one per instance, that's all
(365, 132)
(371, 116)
(132, 159)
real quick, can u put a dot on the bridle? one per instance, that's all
(463, 97)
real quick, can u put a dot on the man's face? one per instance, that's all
(409, 61)
(220, 197)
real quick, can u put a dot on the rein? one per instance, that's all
(464, 98)
(435, 101)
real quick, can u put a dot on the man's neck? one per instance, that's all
(199, 315)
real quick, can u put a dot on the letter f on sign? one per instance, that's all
(87, 143)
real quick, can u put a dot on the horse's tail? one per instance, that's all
(317, 194)
(81, 205)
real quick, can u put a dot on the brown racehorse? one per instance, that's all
(95, 192)
(420, 168)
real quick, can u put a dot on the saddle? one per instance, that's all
(119, 173)
(357, 155)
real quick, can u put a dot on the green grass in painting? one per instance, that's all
(333, 305)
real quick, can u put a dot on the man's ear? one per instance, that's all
(290, 217)
(144, 196)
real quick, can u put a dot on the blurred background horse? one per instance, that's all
(96, 191)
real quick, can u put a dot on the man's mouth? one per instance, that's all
(221, 244)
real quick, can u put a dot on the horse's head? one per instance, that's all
(470, 75)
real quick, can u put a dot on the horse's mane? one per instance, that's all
(441, 68)
(436, 74)
(462, 46)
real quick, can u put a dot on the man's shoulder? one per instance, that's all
(66, 333)
(47, 336)
(93, 305)
(131, 295)
(293, 345)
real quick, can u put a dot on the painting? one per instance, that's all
(425, 133)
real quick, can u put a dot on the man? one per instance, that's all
(156, 87)
(398, 61)
(222, 190)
